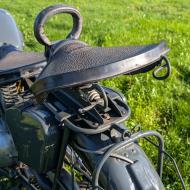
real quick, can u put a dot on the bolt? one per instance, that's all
(96, 124)
(123, 112)
(106, 116)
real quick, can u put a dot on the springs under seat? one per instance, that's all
(9, 95)
(72, 108)
(12, 94)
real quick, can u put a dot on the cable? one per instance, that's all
(101, 152)
(72, 169)
(173, 160)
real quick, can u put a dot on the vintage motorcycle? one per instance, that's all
(59, 128)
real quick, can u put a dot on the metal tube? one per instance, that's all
(174, 162)
(65, 137)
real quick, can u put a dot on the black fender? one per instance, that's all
(117, 174)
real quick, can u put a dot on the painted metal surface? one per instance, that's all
(9, 32)
(8, 153)
(36, 137)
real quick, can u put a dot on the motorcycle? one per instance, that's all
(59, 128)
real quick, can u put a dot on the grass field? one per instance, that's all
(160, 105)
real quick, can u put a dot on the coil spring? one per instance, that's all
(93, 95)
(9, 95)
(35, 183)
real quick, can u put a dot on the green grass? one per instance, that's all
(159, 105)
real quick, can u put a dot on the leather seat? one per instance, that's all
(13, 60)
(73, 63)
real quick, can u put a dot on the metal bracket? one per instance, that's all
(165, 66)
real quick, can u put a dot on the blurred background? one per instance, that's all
(159, 105)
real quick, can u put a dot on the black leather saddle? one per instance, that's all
(74, 63)
(13, 60)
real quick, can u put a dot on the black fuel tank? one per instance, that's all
(36, 136)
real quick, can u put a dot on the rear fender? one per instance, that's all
(117, 174)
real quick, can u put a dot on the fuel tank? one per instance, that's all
(8, 153)
(9, 32)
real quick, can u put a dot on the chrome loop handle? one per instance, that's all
(51, 11)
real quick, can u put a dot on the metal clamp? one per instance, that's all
(165, 66)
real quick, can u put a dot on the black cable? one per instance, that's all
(101, 152)
(72, 170)
(81, 171)
(172, 159)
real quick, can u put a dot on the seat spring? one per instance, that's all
(93, 95)
(9, 95)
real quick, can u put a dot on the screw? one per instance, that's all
(106, 116)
